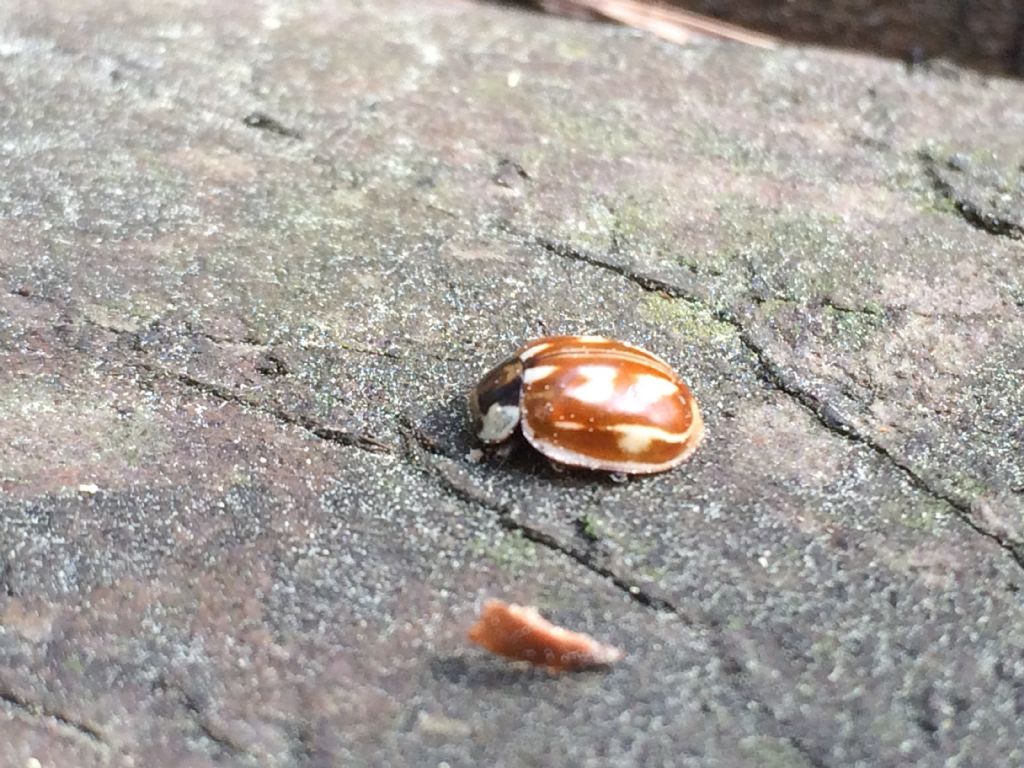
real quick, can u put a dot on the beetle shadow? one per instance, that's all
(446, 431)
(485, 672)
(490, 673)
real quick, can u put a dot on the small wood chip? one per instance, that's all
(520, 632)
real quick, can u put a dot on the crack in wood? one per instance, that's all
(261, 121)
(788, 383)
(76, 728)
(338, 435)
(198, 715)
(507, 520)
(697, 619)
(969, 211)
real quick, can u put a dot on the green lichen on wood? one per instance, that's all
(686, 318)
(772, 753)
(511, 552)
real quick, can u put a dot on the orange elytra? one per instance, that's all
(590, 401)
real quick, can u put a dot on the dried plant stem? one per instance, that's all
(674, 25)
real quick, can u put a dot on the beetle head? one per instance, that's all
(494, 402)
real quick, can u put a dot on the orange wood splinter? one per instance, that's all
(520, 632)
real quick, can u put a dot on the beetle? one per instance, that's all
(592, 402)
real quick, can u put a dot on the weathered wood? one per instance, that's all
(252, 255)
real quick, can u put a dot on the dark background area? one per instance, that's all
(987, 35)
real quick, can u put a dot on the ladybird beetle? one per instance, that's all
(589, 401)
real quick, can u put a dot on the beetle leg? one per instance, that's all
(502, 451)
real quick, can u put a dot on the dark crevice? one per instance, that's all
(788, 384)
(967, 208)
(879, 311)
(222, 742)
(648, 283)
(509, 173)
(339, 435)
(830, 303)
(82, 729)
(6, 574)
(210, 731)
(419, 444)
(587, 557)
(656, 285)
(255, 343)
(588, 560)
(371, 352)
(977, 218)
(811, 756)
(272, 364)
(264, 122)
(247, 341)
(831, 418)
(302, 738)
(28, 293)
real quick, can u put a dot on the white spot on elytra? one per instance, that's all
(533, 351)
(634, 440)
(598, 385)
(571, 426)
(538, 373)
(645, 390)
(640, 436)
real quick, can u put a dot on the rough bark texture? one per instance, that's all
(252, 255)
